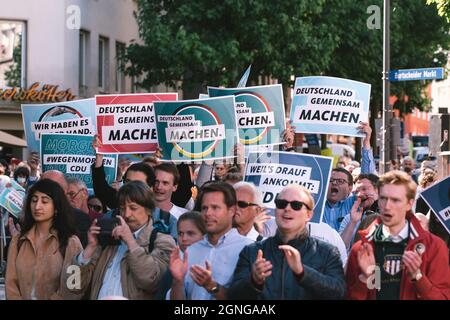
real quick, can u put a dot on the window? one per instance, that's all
(82, 61)
(12, 54)
(120, 76)
(103, 57)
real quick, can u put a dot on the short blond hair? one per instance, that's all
(399, 178)
(300, 188)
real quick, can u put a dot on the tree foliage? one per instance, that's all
(443, 7)
(206, 42)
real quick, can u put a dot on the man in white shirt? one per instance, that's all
(212, 260)
(249, 204)
(166, 183)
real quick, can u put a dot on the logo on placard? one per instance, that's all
(195, 130)
(59, 119)
(254, 117)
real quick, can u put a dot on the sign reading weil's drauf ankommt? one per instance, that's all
(272, 171)
(330, 105)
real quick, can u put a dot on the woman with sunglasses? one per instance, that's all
(290, 265)
(95, 206)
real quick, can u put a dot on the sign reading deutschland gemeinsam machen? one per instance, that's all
(330, 105)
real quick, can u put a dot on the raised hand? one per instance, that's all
(260, 219)
(178, 267)
(366, 259)
(412, 261)
(98, 156)
(202, 276)
(293, 258)
(261, 269)
(92, 236)
(365, 128)
(356, 213)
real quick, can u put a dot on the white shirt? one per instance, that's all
(252, 234)
(222, 257)
(402, 235)
(177, 211)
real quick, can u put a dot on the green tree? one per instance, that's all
(443, 7)
(211, 43)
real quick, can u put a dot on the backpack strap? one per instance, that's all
(151, 241)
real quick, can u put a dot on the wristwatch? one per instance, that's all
(214, 289)
(418, 276)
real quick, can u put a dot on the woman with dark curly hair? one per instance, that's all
(39, 257)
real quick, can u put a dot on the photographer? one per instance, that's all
(132, 267)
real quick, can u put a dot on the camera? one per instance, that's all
(106, 227)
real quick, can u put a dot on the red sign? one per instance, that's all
(126, 123)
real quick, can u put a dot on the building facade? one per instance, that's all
(54, 50)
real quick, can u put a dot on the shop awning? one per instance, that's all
(10, 140)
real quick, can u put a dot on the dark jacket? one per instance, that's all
(108, 195)
(323, 276)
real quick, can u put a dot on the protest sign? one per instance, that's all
(194, 130)
(438, 198)
(259, 112)
(12, 198)
(76, 117)
(126, 122)
(330, 105)
(74, 155)
(272, 171)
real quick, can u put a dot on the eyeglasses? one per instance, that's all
(95, 207)
(243, 204)
(73, 194)
(338, 181)
(295, 205)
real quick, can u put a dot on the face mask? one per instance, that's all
(21, 180)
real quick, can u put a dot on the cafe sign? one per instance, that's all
(36, 93)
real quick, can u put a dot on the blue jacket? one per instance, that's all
(323, 276)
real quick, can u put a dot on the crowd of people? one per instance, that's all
(199, 232)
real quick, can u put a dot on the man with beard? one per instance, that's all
(364, 209)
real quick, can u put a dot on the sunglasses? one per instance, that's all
(295, 205)
(243, 204)
(95, 207)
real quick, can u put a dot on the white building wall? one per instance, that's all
(52, 47)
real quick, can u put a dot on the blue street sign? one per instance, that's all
(416, 74)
